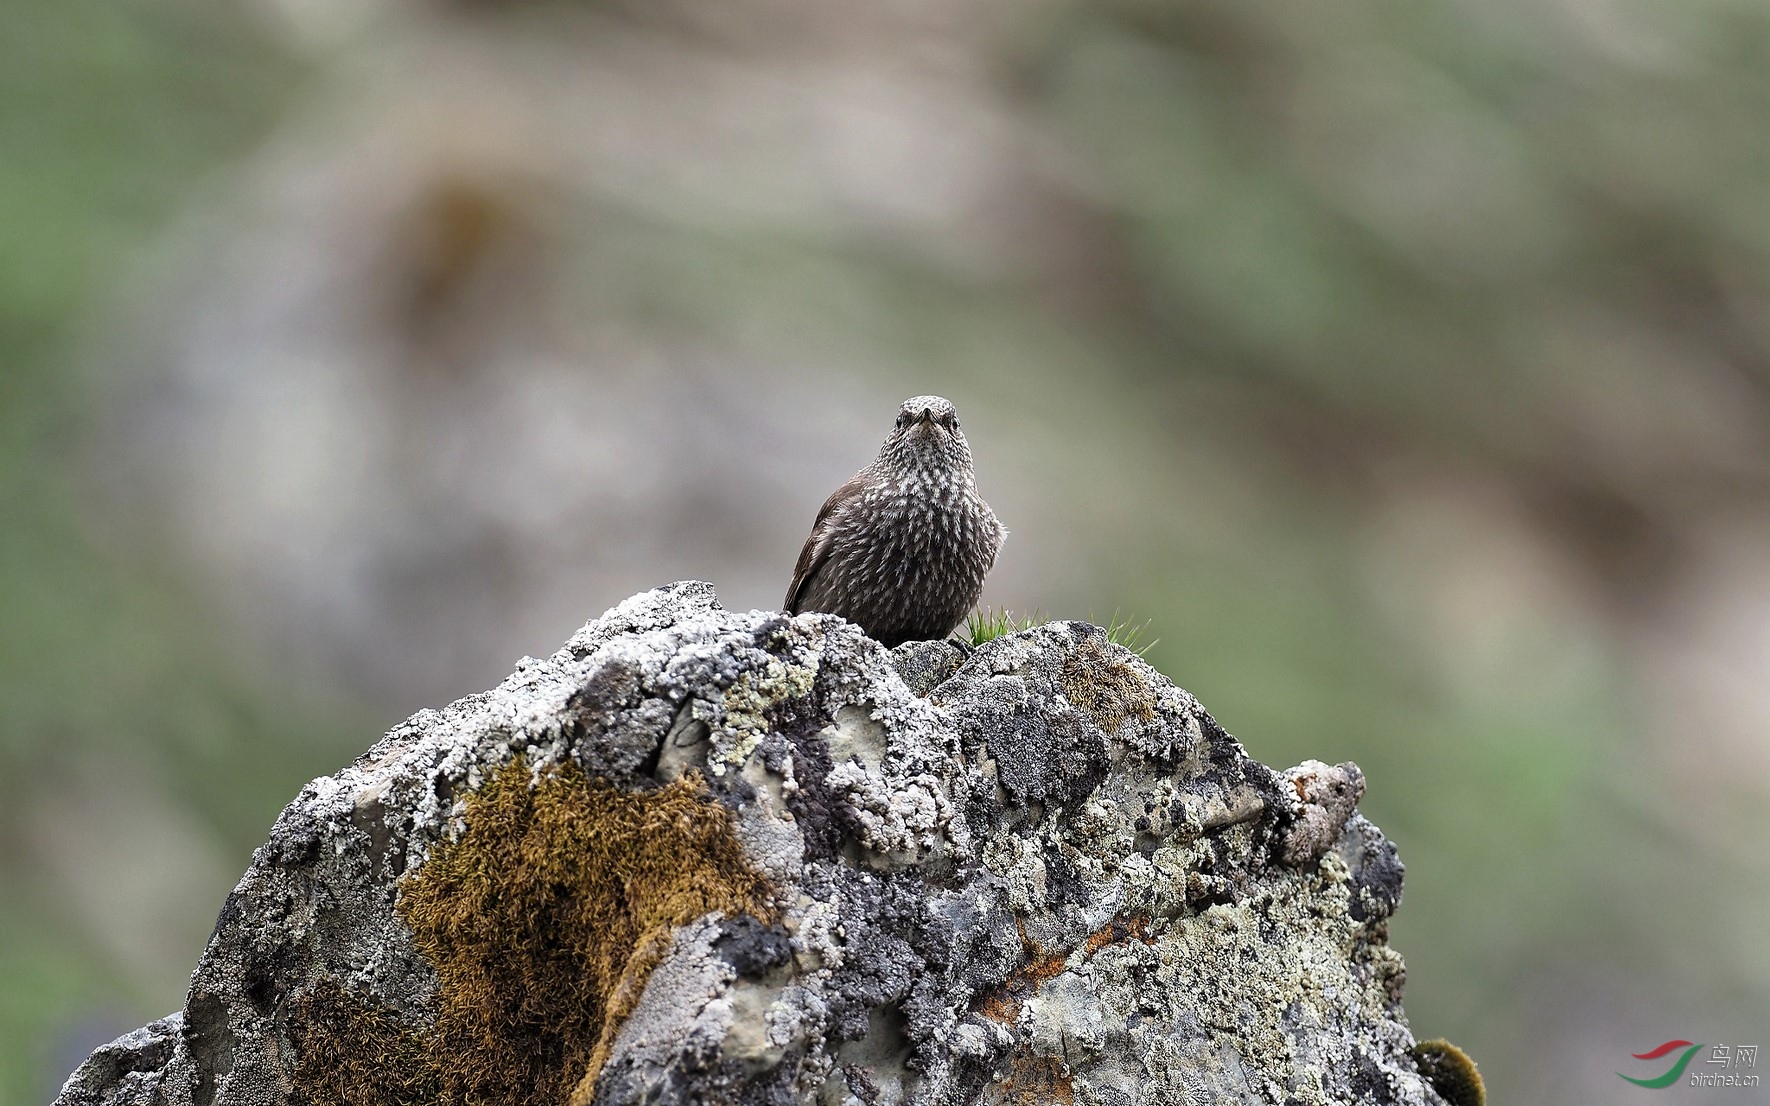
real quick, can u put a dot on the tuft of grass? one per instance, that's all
(1125, 630)
(989, 624)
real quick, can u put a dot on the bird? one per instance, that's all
(902, 549)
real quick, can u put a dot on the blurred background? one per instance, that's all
(1406, 365)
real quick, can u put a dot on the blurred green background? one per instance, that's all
(1406, 365)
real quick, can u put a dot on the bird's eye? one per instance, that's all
(903, 421)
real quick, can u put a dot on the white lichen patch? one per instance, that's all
(901, 819)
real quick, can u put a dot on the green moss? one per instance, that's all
(543, 921)
(1451, 1072)
(1099, 682)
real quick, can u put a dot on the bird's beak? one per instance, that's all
(925, 416)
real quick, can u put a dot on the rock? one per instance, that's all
(923, 664)
(1326, 796)
(128, 1069)
(706, 857)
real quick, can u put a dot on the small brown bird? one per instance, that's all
(901, 550)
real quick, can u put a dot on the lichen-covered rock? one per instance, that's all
(128, 1069)
(706, 857)
(1327, 794)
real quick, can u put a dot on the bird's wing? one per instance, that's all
(817, 546)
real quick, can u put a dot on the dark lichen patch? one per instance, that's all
(1451, 1072)
(1097, 680)
(1063, 884)
(752, 948)
(826, 820)
(1042, 761)
(543, 921)
(1376, 870)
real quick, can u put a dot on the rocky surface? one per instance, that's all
(702, 856)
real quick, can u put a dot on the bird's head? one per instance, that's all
(927, 434)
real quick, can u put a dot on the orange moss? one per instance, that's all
(1098, 681)
(1001, 1003)
(543, 921)
(1451, 1072)
(351, 1051)
(1117, 932)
